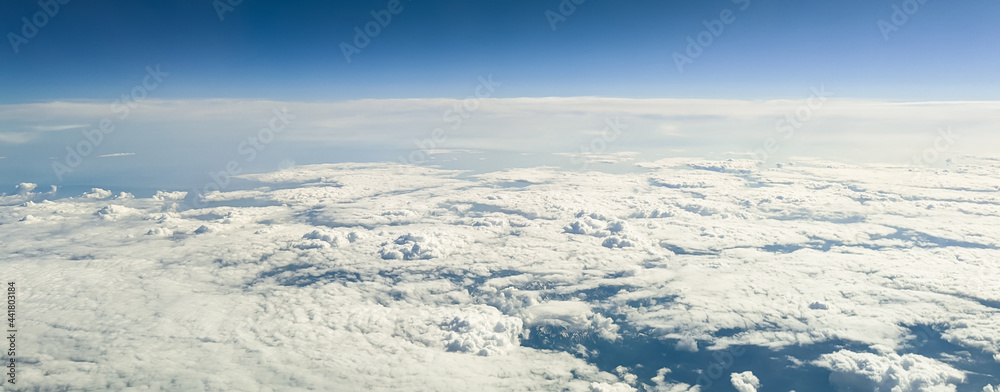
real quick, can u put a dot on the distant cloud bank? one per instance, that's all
(841, 126)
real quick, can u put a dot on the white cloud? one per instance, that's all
(50, 128)
(165, 196)
(660, 383)
(287, 285)
(616, 387)
(15, 137)
(119, 154)
(570, 317)
(412, 246)
(890, 372)
(868, 129)
(745, 382)
(25, 187)
(97, 193)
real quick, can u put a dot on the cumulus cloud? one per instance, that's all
(25, 187)
(382, 275)
(570, 317)
(321, 239)
(25, 193)
(97, 193)
(412, 246)
(616, 387)
(661, 384)
(892, 372)
(169, 196)
(745, 382)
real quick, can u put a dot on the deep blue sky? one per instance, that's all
(290, 50)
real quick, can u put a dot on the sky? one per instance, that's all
(291, 50)
(580, 195)
(185, 84)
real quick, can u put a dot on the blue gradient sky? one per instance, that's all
(289, 50)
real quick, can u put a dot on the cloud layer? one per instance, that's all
(387, 276)
(202, 135)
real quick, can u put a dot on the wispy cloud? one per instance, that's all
(15, 137)
(50, 128)
(18, 132)
(117, 154)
